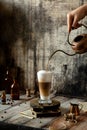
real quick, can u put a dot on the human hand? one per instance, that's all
(81, 45)
(75, 16)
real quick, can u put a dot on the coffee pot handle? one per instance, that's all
(68, 41)
(81, 106)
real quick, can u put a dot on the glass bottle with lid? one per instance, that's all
(15, 90)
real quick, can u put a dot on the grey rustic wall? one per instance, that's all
(30, 31)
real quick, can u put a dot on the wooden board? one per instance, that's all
(46, 110)
(62, 124)
(38, 107)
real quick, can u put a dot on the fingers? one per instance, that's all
(72, 22)
(69, 22)
(75, 22)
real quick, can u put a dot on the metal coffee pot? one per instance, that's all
(80, 41)
(75, 108)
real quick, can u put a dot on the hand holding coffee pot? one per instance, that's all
(79, 44)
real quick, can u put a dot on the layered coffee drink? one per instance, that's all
(44, 83)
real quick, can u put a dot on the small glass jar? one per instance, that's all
(3, 97)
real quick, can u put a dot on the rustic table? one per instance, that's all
(12, 116)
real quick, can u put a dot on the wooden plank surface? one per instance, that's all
(12, 114)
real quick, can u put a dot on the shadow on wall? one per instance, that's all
(12, 21)
(16, 23)
(11, 29)
(78, 85)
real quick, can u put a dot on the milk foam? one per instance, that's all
(44, 76)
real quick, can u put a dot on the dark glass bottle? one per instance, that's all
(8, 82)
(15, 90)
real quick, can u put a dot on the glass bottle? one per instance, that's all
(8, 82)
(15, 90)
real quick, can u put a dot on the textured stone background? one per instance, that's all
(30, 31)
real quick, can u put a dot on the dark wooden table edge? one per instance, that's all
(7, 126)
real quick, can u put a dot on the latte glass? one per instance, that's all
(44, 82)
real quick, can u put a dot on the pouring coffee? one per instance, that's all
(45, 76)
(78, 42)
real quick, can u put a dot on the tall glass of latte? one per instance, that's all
(44, 82)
